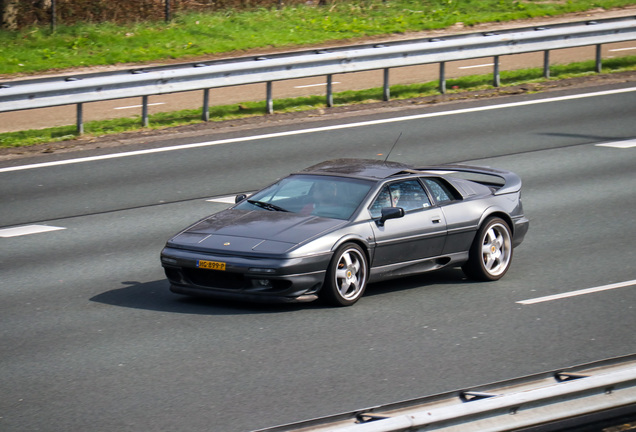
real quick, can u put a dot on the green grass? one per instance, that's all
(247, 109)
(192, 35)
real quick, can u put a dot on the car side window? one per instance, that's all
(440, 191)
(409, 195)
(383, 200)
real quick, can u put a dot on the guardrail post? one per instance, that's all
(144, 111)
(442, 77)
(80, 118)
(598, 59)
(270, 103)
(546, 64)
(496, 78)
(206, 105)
(329, 91)
(386, 93)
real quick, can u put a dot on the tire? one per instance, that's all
(490, 255)
(346, 277)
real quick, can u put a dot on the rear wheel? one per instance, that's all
(346, 276)
(491, 252)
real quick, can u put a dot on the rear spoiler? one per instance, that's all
(504, 181)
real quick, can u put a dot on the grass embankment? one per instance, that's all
(195, 35)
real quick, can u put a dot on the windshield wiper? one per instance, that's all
(267, 206)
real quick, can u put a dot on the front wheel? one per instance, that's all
(491, 252)
(346, 276)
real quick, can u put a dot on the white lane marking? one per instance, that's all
(315, 85)
(623, 49)
(476, 66)
(578, 293)
(27, 229)
(619, 144)
(139, 106)
(224, 200)
(230, 199)
(441, 172)
(314, 130)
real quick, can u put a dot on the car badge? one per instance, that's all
(226, 244)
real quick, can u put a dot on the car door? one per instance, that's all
(418, 235)
(461, 216)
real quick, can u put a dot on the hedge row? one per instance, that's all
(18, 14)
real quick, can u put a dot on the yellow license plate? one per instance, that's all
(211, 265)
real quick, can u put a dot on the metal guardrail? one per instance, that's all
(144, 82)
(565, 399)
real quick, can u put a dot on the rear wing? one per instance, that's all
(502, 181)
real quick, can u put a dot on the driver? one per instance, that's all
(395, 197)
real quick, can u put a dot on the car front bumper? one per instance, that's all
(263, 279)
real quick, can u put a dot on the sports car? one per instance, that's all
(329, 230)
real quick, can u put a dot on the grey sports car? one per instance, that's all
(329, 230)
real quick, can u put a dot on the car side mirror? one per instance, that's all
(239, 198)
(390, 213)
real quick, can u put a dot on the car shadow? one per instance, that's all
(156, 296)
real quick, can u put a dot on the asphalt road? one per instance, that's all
(93, 340)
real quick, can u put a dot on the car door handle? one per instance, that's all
(436, 219)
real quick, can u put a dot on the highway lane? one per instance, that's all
(93, 340)
(438, 134)
(65, 115)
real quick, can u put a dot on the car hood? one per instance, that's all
(257, 231)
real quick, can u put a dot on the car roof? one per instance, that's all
(361, 168)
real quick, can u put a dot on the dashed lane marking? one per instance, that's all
(623, 49)
(27, 229)
(476, 66)
(229, 199)
(139, 106)
(619, 144)
(315, 85)
(224, 200)
(578, 293)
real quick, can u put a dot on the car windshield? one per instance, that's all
(322, 196)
